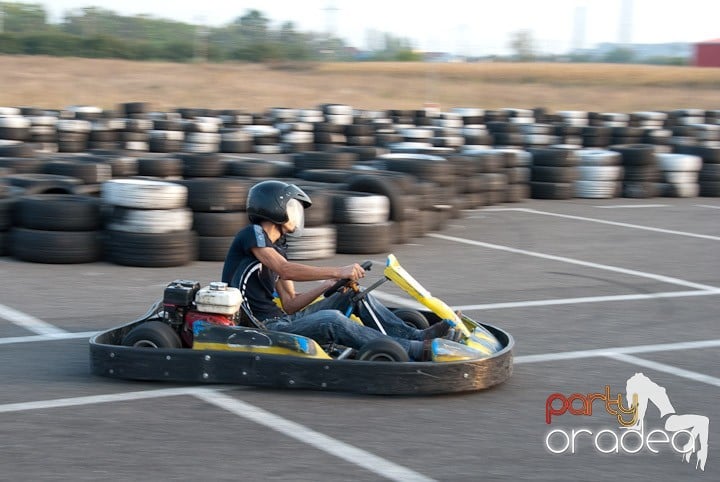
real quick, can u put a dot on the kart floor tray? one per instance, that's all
(111, 359)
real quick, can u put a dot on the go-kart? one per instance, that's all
(208, 334)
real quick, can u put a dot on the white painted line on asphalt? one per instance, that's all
(574, 355)
(320, 441)
(95, 399)
(710, 206)
(585, 299)
(631, 206)
(642, 274)
(294, 430)
(60, 336)
(662, 367)
(28, 322)
(603, 221)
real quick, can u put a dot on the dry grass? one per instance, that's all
(50, 82)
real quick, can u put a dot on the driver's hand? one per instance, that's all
(352, 272)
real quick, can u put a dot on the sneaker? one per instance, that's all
(438, 330)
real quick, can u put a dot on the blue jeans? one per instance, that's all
(325, 322)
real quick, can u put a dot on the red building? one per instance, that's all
(707, 54)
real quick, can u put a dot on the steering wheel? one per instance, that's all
(366, 265)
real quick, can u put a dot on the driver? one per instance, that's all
(257, 264)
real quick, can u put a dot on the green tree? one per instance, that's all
(253, 26)
(23, 17)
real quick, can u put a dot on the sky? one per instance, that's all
(464, 27)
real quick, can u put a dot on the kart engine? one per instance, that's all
(185, 303)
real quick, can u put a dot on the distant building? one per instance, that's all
(645, 51)
(707, 54)
(441, 57)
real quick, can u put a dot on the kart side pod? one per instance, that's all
(209, 336)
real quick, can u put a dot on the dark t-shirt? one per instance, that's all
(242, 270)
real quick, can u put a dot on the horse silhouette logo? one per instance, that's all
(697, 426)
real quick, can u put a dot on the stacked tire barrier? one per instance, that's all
(710, 173)
(377, 177)
(319, 239)
(361, 222)
(641, 170)
(7, 202)
(218, 213)
(553, 172)
(599, 174)
(680, 174)
(56, 228)
(148, 223)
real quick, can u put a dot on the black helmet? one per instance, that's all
(267, 201)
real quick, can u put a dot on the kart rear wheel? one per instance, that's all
(412, 318)
(383, 350)
(152, 334)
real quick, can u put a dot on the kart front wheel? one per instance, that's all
(152, 334)
(412, 318)
(383, 350)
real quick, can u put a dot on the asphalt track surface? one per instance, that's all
(592, 291)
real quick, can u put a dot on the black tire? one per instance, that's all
(216, 194)
(58, 212)
(551, 190)
(412, 318)
(485, 161)
(320, 213)
(248, 167)
(160, 167)
(516, 193)
(87, 172)
(334, 176)
(553, 174)
(150, 249)
(383, 350)
(55, 247)
(4, 243)
(364, 153)
(635, 154)
(236, 147)
(121, 164)
(710, 189)
(22, 165)
(709, 155)
(44, 183)
(304, 161)
(202, 165)
(7, 208)
(639, 190)
(152, 334)
(553, 157)
(426, 167)
(22, 149)
(223, 223)
(213, 248)
(363, 238)
(710, 172)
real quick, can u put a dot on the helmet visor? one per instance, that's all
(296, 218)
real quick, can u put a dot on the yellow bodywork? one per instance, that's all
(397, 274)
(207, 336)
(317, 352)
(473, 336)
